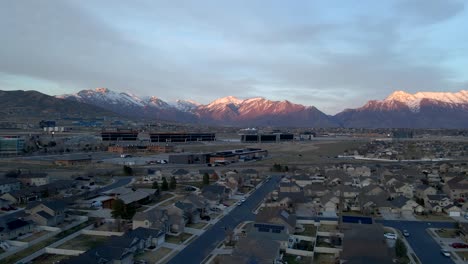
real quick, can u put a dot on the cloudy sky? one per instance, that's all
(332, 54)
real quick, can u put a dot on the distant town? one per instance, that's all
(125, 193)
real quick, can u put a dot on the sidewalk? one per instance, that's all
(410, 251)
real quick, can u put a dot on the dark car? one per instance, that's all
(459, 245)
(205, 217)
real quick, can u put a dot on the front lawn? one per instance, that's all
(199, 225)
(447, 233)
(154, 256)
(178, 239)
(327, 228)
(463, 255)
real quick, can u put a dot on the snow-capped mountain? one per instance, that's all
(225, 111)
(419, 110)
(400, 109)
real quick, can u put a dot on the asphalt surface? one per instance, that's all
(119, 182)
(202, 246)
(423, 244)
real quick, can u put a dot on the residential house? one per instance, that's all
(452, 210)
(50, 213)
(402, 189)
(34, 179)
(273, 223)
(437, 202)
(11, 227)
(9, 184)
(156, 218)
(372, 190)
(289, 186)
(329, 202)
(215, 194)
(177, 220)
(315, 190)
(403, 205)
(457, 187)
(422, 191)
(121, 249)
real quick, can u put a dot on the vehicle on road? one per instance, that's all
(390, 236)
(445, 253)
(406, 233)
(459, 245)
(242, 200)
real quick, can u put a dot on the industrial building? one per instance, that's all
(11, 145)
(266, 138)
(181, 137)
(220, 157)
(119, 135)
(140, 148)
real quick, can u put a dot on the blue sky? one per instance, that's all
(330, 54)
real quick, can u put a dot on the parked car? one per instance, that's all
(243, 200)
(406, 233)
(239, 203)
(445, 253)
(459, 245)
(390, 236)
(205, 217)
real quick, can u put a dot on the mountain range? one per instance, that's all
(398, 110)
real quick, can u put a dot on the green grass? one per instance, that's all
(199, 225)
(291, 259)
(328, 228)
(447, 233)
(84, 242)
(154, 256)
(30, 250)
(415, 258)
(178, 239)
(49, 258)
(462, 254)
(310, 230)
(322, 258)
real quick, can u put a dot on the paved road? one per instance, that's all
(119, 182)
(200, 248)
(427, 249)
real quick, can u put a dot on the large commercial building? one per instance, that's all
(181, 137)
(119, 135)
(11, 145)
(220, 157)
(267, 138)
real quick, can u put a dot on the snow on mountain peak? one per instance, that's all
(227, 100)
(413, 101)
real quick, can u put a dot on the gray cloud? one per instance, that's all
(205, 50)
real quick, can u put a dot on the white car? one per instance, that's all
(445, 253)
(243, 200)
(390, 236)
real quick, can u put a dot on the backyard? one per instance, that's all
(327, 228)
(309, 230)
(463, 255)
(293, 259)
(178, 239)
(84, 242)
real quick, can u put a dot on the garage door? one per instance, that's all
(454, 213)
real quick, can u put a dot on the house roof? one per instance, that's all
(269, 214)
(45, 215)
(133, 196)
(436, 197)
(153, 215)
(399, 201)
(180, 172)
(8, 181)
(54, 205)
(32, 175)
(458, 182)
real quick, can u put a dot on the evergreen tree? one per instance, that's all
(173, 183)
(206, 179)
(400, 248)
(127, 170)
(156, 187)
(118, 208)
(164, 185)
